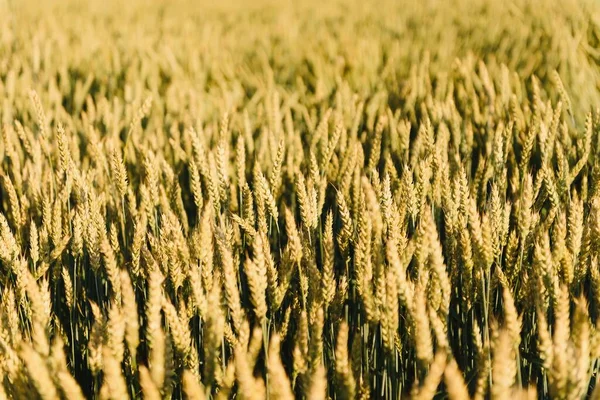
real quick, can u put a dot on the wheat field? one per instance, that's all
(312, 200)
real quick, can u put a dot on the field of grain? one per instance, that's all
(312, 200)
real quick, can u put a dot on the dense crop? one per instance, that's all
(281, 200)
